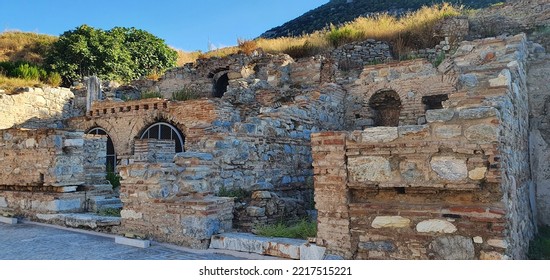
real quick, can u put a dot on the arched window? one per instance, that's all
(386, 105)
(166, 131)
(111, 155)
(220, 86)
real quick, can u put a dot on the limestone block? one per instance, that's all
(200, 227)
(448, 131)
(439, 115)
(8, 220)
(504, 78)
(478, 239)
(3, 202)
(477, 173)
(435, 225)
(382, 246)
(312, 252)
(261, 195)
(255, 211)
(468, 80)
(416, 131)
(130, 214)
(57, 205)
(481, 132)
(73, 143)
(132, 242)
(390, 222)
(379, 134)
(477, 113)
(498, 243)
(369, 168)
(449, 168)
(453, 248)
(412, 170)
(492, 255)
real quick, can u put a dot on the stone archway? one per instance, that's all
(386, 106)
(220, 85)
(111, 162)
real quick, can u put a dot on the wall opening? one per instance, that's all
(434, 101)
(386, 106)
(110, 163)
(165, 131)
(220, 87)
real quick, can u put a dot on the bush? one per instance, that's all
(28, 72)
(302, 230)
(185, 93)
(54, 79)
(111, 212)
(150, 94)
(247, 46)
(539, 248)
(239, 194)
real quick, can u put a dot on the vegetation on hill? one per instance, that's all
(337, 12)
(24, 46)
(118, 54)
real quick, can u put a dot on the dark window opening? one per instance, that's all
(110, 163)
(221, 86)
(434, 101)
(165, 131)
(386, 105)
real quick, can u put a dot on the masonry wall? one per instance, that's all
(36, 107)
(455, 188)
(157, 204)
(44, 171)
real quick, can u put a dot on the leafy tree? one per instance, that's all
(117, 54)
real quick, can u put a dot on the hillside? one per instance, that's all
(340, 11)
(24, 46)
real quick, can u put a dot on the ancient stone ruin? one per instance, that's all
(400, 159)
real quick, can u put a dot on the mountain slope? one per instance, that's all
(340, 11)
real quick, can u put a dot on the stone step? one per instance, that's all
(289, 248)
(110, 206)
(79, 220)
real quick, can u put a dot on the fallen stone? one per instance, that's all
(435, 225)
(390, 222)
(247, 242)
(453, 248)
(312, 252)
(449, 168)
(132, 242)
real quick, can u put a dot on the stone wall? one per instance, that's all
(50, 171)
(357, 55)
(408, 79)
(36, 107)
(158, 205)
(454, 188)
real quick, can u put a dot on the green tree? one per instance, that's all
(117, 54)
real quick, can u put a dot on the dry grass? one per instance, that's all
(24, 46)
(9, 84)
(411, 31)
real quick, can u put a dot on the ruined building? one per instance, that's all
(401, 160)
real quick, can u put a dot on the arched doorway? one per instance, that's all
(165, 131)
(220, 87)
(386, 106)
(110, 163)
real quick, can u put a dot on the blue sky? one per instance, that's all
(187, 25)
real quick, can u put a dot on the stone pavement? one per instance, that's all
(33, 241)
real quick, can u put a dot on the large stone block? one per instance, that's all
(57, 205)
(448, 131)
(481, 132)
(369, 168)
(379, 134)
(449, 168)
(200, 227)
(435, 225)
(439, 115)
(477, 113)
(390, 222)
(130, 214)
(453, 248)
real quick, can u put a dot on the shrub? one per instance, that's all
(150, 94)
(185, 93)
(28, 72)
(111, 212)
(247, 46)
(302, 229)
(54, 79)
(539, 248)
(239, 194)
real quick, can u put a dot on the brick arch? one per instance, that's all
(163, 123)
(386, 105)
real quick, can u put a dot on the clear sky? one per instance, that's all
(187, 25)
